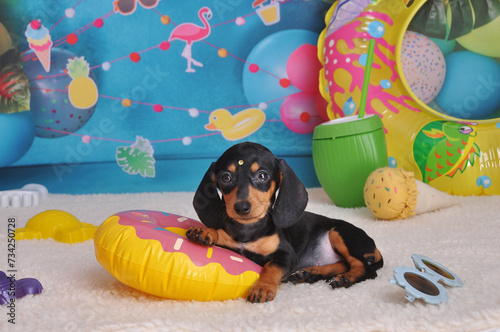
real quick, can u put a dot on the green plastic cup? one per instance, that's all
(345, 152)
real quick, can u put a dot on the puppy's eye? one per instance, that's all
(226, 177)
(262, 176)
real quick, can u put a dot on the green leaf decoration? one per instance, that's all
(14, 85)
(78, 67)
(464, 15)
(137, 158)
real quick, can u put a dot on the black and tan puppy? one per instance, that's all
(271, 227)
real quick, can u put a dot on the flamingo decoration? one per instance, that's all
(190, 33)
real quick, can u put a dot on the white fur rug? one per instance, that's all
(79, 295)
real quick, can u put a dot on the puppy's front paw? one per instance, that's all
(341, 281)
(313, 274)
(307, 275)
(298, 277)
(261, 293)
(203, 236)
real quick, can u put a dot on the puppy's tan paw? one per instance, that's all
(261, 293)
(203, 236)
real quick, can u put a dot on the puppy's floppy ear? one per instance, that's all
(292, 197)
(207, 203)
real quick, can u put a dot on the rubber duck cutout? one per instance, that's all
(190, 33)
(237, 126)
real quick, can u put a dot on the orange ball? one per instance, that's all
(165, 19)
(222, 52)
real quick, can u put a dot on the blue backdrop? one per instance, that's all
(176, 129)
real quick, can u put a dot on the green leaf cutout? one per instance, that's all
(137, 158)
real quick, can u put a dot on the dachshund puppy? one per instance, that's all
(260, 215)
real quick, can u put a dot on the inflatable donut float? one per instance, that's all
(451, 154)
(148, 250)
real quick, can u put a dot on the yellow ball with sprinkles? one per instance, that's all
(394, 193)
(391, 193)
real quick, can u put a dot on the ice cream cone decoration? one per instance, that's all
(40, 42)
(393, 193)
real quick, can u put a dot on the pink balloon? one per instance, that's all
(303, 68)
(321, 106)
(298, 112)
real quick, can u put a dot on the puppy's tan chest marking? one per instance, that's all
(263, 246)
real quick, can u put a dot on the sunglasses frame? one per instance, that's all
(419, 262)
(117, 8)
(425, 273)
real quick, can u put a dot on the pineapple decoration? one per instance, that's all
(82, 90)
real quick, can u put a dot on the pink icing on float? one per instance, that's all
(154, 225)
(148, 251)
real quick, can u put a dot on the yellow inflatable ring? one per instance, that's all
(148, 250)
(452, 155)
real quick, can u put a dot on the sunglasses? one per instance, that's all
(127, 7)
(426, 281)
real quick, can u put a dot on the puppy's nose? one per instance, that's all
(242, 207)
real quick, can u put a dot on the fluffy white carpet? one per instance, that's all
(79, 295)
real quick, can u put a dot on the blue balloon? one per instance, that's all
(49, 103)
(17, 132)
(471, 89)
(271, 55)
